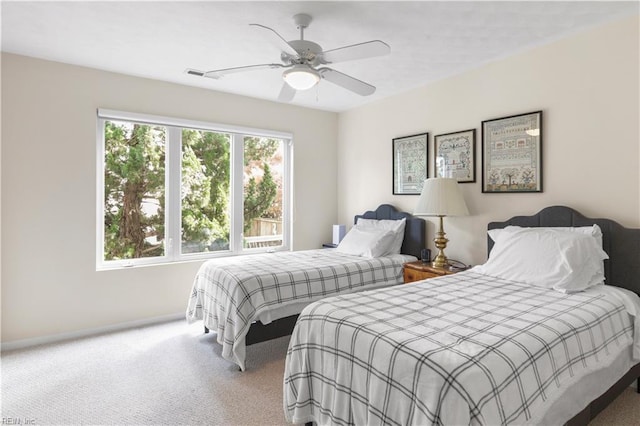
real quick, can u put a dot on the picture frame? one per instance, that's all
(410, 164)
(454, 155)
(512, 154)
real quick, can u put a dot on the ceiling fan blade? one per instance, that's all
(364, 50)
(348, 82)
(216, 74)
(286, 93)
(277, 40)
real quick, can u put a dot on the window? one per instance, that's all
(173, 190)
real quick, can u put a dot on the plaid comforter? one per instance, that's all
(460, 349)
(231, 293)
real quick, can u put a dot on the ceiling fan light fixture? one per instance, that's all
(301, 77)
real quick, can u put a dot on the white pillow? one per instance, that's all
(593, 230)
(396, 226)
(366, 242)
(551, 258)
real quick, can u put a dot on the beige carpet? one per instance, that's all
(168, 374)
(625, 410)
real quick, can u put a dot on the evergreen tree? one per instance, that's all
(134, 183)
(134, 173)
(205, 189)
(258, 197)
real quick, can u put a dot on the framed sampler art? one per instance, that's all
(512, 154)
(409, 164)
(455, 155)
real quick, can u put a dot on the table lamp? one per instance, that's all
(441, 197)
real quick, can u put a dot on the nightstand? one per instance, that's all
(417, 271)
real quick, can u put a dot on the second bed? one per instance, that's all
(244, 298)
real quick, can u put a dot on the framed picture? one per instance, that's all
(455, 155)
(409, 164)
(512, 154)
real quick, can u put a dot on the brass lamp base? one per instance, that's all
(440, 241)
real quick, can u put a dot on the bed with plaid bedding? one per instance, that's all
(460, 349)
(229, 294)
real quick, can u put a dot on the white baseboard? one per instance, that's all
(25, 343)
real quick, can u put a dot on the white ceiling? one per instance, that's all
(159, 40)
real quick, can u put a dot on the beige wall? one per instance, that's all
(49, 282)
(588, 87)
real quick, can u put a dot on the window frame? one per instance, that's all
(173, 175)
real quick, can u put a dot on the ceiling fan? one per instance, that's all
(304, 61)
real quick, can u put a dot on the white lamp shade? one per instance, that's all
(301, 77)
(441, 197)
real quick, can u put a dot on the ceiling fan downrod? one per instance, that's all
(302, 21)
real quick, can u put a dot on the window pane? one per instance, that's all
(263, 180)
(134, 190)
(205, 191)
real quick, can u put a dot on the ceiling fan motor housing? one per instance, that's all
(308, 52)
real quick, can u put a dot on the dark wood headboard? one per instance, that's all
(622, 269)
(414, 229)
